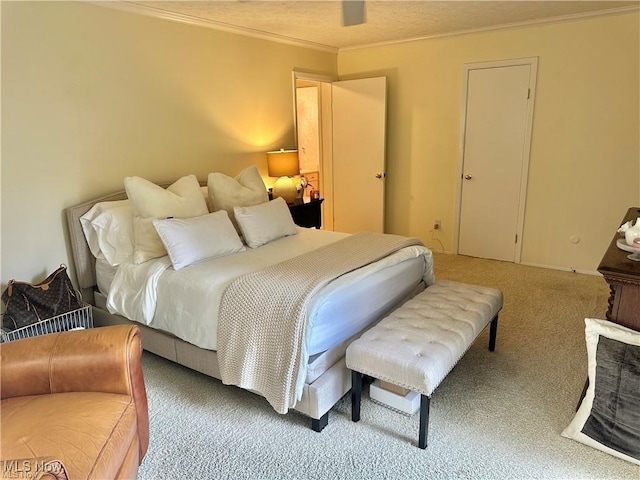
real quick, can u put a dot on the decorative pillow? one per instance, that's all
(183, 199)
(266, 222)
(246, 189)
(205, 194)
(192, 240)
(609, 416)
(108, 228)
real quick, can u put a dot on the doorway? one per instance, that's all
(312, 118)
(348, 130)
(494, 158)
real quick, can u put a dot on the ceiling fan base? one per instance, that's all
(353, 12)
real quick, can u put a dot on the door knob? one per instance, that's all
(468, 177)
(379, 175)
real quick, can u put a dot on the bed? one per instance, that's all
(180, 328)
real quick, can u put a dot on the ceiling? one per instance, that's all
(319, 23)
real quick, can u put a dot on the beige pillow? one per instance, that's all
(183, 199)
(205, 194)
(246, 189)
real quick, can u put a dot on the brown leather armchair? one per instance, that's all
(77, 397)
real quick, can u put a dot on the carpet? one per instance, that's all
(497, 415)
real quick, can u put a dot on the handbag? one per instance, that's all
(26, 304)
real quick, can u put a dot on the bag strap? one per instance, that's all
(44, 285)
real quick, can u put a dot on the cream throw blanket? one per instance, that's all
(263, 314)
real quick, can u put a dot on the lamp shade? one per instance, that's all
(283, 163)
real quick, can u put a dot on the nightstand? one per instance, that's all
(307, 214)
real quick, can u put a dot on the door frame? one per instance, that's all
(533, 63)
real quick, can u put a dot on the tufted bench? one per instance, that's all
(418, 344)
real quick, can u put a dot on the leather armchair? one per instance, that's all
(77, 397)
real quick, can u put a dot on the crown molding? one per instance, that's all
(528, 23)
(248, 32)
(212, 24)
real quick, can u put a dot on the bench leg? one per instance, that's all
(318, 424)
(356, 395)
(493, 332)
(424, 421)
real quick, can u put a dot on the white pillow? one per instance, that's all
(108, 228)
(266, 222)
(183, 199)
(192, 240)
(246, 189)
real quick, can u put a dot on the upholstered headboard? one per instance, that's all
(83, 260)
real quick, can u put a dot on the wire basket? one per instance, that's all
(74, 320)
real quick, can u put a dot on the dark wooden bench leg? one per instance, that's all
(318, 424)
(356, 395)
(424, 421)
(493, 332)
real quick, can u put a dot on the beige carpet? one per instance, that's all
(497, 415)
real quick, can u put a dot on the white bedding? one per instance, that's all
(186, 302)
(104, 275)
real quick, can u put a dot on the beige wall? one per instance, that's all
(585, 156)
(91, 95)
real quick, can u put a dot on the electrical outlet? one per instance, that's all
(437, 224)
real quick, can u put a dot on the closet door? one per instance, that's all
(499, 108)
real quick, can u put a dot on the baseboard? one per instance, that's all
(539, 265)
(446, 252)
(564, 269)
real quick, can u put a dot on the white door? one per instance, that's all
(359, 132)
(499, 104)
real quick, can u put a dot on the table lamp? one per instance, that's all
(284, 164)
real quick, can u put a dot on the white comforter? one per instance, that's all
(186, 302)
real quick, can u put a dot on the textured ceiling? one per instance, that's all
(320, 22)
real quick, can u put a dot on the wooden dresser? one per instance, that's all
(623, 277)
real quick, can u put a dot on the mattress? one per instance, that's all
(185, 302)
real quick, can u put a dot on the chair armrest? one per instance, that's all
(105, 359)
